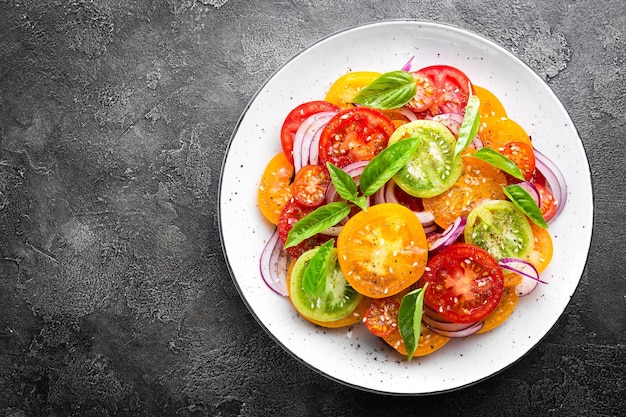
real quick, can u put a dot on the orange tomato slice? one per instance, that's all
(274, 190)
(383, 250)
(478, 181)
(542, 251)
(346, 87)
(495, 132)
(508, 302)
(490, 105)
(428, 342)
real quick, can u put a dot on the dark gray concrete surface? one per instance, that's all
(115, 298)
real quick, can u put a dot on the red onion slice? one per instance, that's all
(452, 121)
(274, 264)
(434, 321)
(304, 137)
(528, 272)
(459, 333)
(449, 236)
(556, 180)
(408, 65)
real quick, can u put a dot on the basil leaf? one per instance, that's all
(314, 278)
(361, 202)
(410, 319)
(386, 164)
(525, 202)
(319, 219)
(389, 91)
(343, 182)
(469, 126)
(499, 161)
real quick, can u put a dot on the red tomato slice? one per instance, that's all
(548, 204)
(356, 134)
(465, 283)
(293, 212)
(440, 89)
(381, 317)
(295, 118)
(310, 184)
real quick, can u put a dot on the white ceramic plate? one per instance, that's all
(353, 356)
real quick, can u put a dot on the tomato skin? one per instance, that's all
(548, 204)
(274, 190)
(293, 212)
(355, 134)
(310, 184)
(440, 89)
(295, 118)
(465, 283)
(381, 318)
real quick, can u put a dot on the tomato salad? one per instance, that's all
(409, 202)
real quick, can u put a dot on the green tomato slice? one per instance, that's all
(338, 299)
(501, 229)
(433, 168)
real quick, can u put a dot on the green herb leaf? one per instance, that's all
(386, 164)
(499, 161)
(410, 319)
(343, 182)
(361, 202)
(525, 202)
(314, 278)
(319, 219)
(389, 91)
(469, 126)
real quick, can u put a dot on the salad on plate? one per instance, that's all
(408, 202)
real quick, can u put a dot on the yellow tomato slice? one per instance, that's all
(490, 105)
(428, 342)
(508, 302)
(383, 250)
(274, 189)
(346, 87)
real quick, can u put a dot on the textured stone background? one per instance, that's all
(115, 298)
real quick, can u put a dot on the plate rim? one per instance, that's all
(259, 90)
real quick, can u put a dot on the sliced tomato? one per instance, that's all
(381, 318)
(383, 250)
(427, 343)
(295, 118)
(543, 249)
(293, 212)
(337, 300)
(465, 283)
(500, 228)
(496, 132)
(355, 134)
(433, 168)
(346, 87)
(502, 312)
(522, 154)
(490, 105)
(548, 204)
(310, 184)
(274, 188)
(479, 181)
(440, 89)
